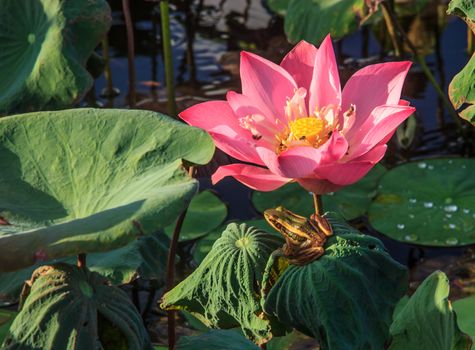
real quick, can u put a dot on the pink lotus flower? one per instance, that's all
(295, 124)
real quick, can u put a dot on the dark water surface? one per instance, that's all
(208, 35)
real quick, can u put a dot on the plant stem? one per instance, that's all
(167, 56)
(171, 271)
(107, 67)
(317, 202)
(81, 260)
(420, 59)
(392, 32)
(470, 46)
(130, 51)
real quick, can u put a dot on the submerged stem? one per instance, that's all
(317, 202)
(420, 59)
(130, 51)
(171, 271)
(167, 56)
(392, 32)
(470, 45)
(107, 67)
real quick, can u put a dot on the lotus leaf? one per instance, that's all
(345, 299)
(426, 321)
(145, 257)
(205, 213)
(223, 292)
(44, 47)
(465, 310)
(72, 308)
(428, 202)
(312, 20)
(90, 180)
(462, 87)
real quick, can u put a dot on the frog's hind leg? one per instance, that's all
(306, 256)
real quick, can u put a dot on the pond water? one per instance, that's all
(208, 35)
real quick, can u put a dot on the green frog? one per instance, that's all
(304, 237)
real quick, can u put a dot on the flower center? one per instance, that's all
(298, 127)
(306, 128)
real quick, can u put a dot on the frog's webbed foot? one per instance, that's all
(304, 256)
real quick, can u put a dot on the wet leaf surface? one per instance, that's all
(427, 202)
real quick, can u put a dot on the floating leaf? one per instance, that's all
(71, 308)
(223, 292)
(312, 20)
(205, 213)
(427, 321)
(350, 202)
(428, 202)
(216, 339)
(44, 47)
(89, 180)
(345, 299)
(462, 87)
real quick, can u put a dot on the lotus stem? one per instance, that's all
(420, 59)
(392, 32)
(171, 271)
(107, 67)
(470, 46)
(167, 57)
(81, 260)
(317, 202)
(130, 51)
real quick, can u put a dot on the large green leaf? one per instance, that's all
(350, 202)
(71, 308)
(44, 47)
(223, 292)
(429, 202)
(345, 299)
(462, 86)
(90, 180)
(426, 321)
(205, 213)
(312, 20)
(216, 339)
